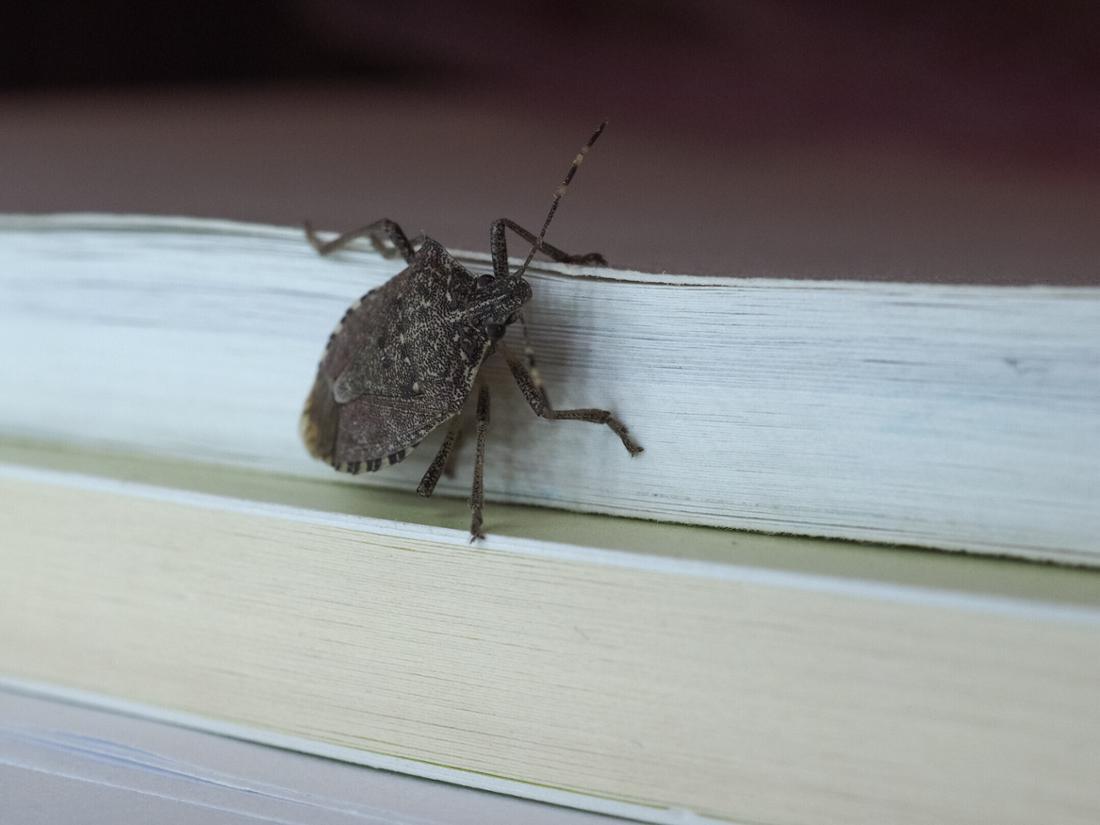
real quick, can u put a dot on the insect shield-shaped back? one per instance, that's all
(403, 360)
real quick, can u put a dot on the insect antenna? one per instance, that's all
(558, 195)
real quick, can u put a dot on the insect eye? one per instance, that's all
(485, 281)
(495, 331)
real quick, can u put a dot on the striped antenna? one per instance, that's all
(558, 195)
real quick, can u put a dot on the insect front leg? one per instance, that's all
(377, 233)
(477, 493)
(535, 394)
(498, 246)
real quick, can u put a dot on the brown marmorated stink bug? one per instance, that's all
(405, 357)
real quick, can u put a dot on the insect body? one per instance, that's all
(405, 357)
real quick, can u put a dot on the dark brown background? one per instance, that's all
(955, 141)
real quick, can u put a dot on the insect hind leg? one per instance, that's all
(377, 233)
(443, 458)
(477, 493)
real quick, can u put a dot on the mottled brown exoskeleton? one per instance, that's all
(405, 357)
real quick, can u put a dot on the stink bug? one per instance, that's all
(405, 357)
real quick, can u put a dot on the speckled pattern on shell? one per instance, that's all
(402, 361)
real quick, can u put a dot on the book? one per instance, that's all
(943, 416)
(667, 673)
(66, 761)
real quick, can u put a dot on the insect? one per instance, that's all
(405, 357)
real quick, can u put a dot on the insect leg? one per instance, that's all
(535, 394)
(529, 355)
(377, 232)
(442, 458)
(449, 466)
(477, 494)
(498, 246)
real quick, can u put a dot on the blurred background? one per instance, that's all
(953, 141)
